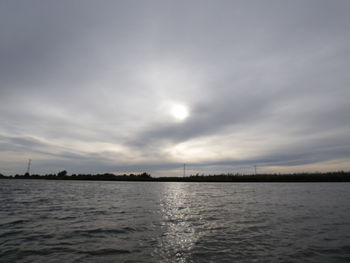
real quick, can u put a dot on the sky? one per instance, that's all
(131, 86)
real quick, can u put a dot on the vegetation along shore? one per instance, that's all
(337, 176)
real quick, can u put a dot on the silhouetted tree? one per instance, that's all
(145, 175)
(62, 173)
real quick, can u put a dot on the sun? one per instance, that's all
(180, 112)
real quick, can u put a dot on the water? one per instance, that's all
(77, 221)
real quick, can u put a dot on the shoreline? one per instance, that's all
(221, 178)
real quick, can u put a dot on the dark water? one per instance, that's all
(65, 221)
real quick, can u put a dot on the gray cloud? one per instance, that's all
(88, 86)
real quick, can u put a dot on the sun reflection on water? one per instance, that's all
(179, 236)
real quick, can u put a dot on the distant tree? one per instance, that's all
(62, 173)
(145, 175)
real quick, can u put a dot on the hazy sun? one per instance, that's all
(179, 112)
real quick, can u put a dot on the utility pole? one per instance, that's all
(255, 169)
(28, 168)
(184, 169)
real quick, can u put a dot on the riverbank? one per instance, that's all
(340, 176)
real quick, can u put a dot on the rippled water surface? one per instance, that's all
(77, 221)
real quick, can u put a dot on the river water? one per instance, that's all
(82, 221)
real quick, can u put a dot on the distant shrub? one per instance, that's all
(62, 173)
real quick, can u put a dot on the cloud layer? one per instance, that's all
(88, 86)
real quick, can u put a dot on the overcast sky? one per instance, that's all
(91, 86)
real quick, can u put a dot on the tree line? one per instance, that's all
(337, 176)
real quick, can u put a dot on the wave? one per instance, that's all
(124, 230)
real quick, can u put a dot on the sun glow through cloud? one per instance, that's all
(180, 112)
